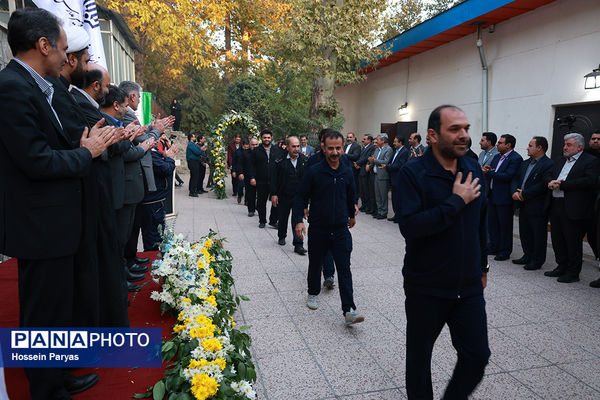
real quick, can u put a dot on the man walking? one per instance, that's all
(245, 176)
(287, 175)
(329, 188)
(263, 158)
(529, 192)
(442, 218)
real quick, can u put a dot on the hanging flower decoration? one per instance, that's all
(218, 151)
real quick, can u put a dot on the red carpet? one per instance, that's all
(115, 383)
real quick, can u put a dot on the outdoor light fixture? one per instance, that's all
(403, 109)
(592, 80)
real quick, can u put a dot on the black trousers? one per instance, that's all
(534, 236)
(591, 231)
(262, 195)
(338, 242)
(500, 228)
(567, 238)
(363, 181)
(202, 174)
(467, 321)
(250, 195)
(284, 207)
(153, 217)
(132, 242)
(47, 295)
(194, 167)
(371, 185)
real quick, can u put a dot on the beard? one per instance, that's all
(78, 76)
(448, 150)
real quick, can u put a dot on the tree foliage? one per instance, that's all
(402, 16)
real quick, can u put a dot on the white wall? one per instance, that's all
(536, 60)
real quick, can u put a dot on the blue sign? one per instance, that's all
(80, 347)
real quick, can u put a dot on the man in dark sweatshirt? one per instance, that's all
(442, 218)
(329, 188)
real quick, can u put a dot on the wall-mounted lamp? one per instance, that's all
(592, 80)
(403, 109)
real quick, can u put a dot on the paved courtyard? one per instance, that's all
(544, 335)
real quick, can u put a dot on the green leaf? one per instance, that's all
(244, 298)
(142, 395)
(158, 392)
(245, 327)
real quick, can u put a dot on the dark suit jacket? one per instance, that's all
(116, 163)
(40, 173)
(398, 162)
(362, 161)
(146, 160)
(535, 190)
(579, 187)
(354, 152)
(71, 116)
(260, 167)
(500, 193)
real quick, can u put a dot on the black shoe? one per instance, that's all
(501, 258)
(281, 242)
(595, 284)
(362, 209)
(251, 214)
(132, 287)
(202, 191)
(555, 272)
(380, 217)
(77, 384)
(367, 211)
(137, 269)
(273, 225)
(521, 261)
(392, 218)
(568, 278)
(193, 194)
(300, 250)
(141, 261)
(239, 199)
(261, 225)
(131, 277)
(531, 267)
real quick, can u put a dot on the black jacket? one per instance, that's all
(331, 195)
(535, 190)
(286, 178)
(163, 168)
(237, 161)
(260, 166)
(445, 239)
(40, 173)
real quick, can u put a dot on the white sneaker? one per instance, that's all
(353, 317)
(312, 302)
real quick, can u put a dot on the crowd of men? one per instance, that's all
(79, 180)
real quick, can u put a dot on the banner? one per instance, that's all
(80, 13)
(146, 106)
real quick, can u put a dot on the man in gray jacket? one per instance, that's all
(153, 131)
(381, 157)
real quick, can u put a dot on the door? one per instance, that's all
(579, 118)
(401, 129)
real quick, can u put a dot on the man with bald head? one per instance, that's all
(91, 92)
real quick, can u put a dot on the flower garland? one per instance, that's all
(219, 153)
(211, 357)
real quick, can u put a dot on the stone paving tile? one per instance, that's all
(544, 336)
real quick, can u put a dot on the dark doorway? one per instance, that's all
(579, 118)
(400, 129)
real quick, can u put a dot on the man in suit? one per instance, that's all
(40, 187)
(500, 173)
(352, 151)
(381, 157)
(287, 175)
(488, 148)
(152, 131)
(263, 158)
(529, 192)
(593, 225)
(237, 170)
(573, 182)
(363, 175)
(306, 148)
(245, 176)
(231, 148)
(398, 160)
(416, 148)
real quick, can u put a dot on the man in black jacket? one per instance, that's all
(263, 158)
(352, 151)
(40, 187)
(442, 218)
(573, 182)
(399, 158)
(245, 176)
(237, 170)
(287, 175)
(363, 175)
(529, 191)
(328, 187)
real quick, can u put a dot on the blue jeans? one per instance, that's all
(338, 243)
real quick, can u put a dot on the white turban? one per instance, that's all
(77, 38)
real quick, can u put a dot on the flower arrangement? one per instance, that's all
(218, 152)
(210, 357)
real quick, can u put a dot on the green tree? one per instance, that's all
(402, 16)
(201, 100)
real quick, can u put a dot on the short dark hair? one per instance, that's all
(303, 136)
(541, 141)
(435, 118)
(369, 138)
(91, 76)
(323, 132)
(27, 25)
(114, 94)
(508, 138)
(490, 137)
(332, 134)
(400, 139)
(266, 132)
(418, 137)
(245, 141)
(199, 136)
(190, 136)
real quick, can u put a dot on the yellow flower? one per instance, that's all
(200, 264)
(213, 280)
(211, 344)
(215, 291)
(232, 324)
(221, 363)
(203, 386)
(186, 300)
(178, 328)
(201, 332)
(212, 300)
